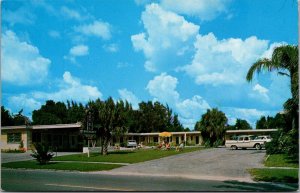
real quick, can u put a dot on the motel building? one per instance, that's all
(68, 137)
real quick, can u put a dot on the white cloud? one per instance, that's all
(111, 48)
(130, 97)
(24, 102)
(204, 9)
(169, 44)
(260, 89)
(70, 13)
(260, 93)
(193, 107)
(163, 87)
(97, 28)
(224, 61)
(71, 89)
(79, 50)
(21, 62)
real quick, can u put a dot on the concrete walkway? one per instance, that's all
(215, 164)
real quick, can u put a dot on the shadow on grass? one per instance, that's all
(261, 187)
(112, 153)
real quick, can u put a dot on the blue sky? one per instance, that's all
(190, 54)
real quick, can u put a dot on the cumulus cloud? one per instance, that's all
(97, 28)
(203, 9)
(130, 97)
(168, 45)
(191, 107)
(70, 89)
(24, 102)
(226, 61)
(163, 87)
(21, 62)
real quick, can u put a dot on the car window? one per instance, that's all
(241, 138)
(246, 138)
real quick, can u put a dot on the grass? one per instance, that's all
(275, 175)
(61, 166)
(124, 156)
(281, 160)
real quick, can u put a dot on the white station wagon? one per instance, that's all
(248, 141)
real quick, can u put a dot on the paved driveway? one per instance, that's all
(209, 164)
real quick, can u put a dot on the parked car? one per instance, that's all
(247, 141)
(266, 138)
(131, 143)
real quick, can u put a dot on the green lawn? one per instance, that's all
(281, 160)
(275, 175)
(61, 166)
(125, 156)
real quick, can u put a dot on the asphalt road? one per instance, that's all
(38, 180)
(215, 164)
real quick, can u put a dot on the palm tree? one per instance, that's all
(284, 60)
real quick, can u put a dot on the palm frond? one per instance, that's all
(262, 64)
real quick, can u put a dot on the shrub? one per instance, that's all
(41, 153)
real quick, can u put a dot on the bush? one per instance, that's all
(284, 143)
(41, 153)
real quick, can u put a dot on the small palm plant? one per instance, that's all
(41, 153)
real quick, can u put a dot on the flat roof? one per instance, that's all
(251, 131)
(55, 126)
(157, 133)
(78, 125)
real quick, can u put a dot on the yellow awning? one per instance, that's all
(165, 134)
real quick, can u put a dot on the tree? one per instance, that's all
(212, 126)
(109, 119)
(284, 60)
(242, 124)
(6, 118)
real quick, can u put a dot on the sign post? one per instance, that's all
(89, 132)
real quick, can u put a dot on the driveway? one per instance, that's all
(210, 164)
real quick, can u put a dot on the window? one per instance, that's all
(246, 139)
(191, 138)
(155, 139)
(13, 137)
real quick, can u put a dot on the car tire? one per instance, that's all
(234, 147)
(257, 146)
